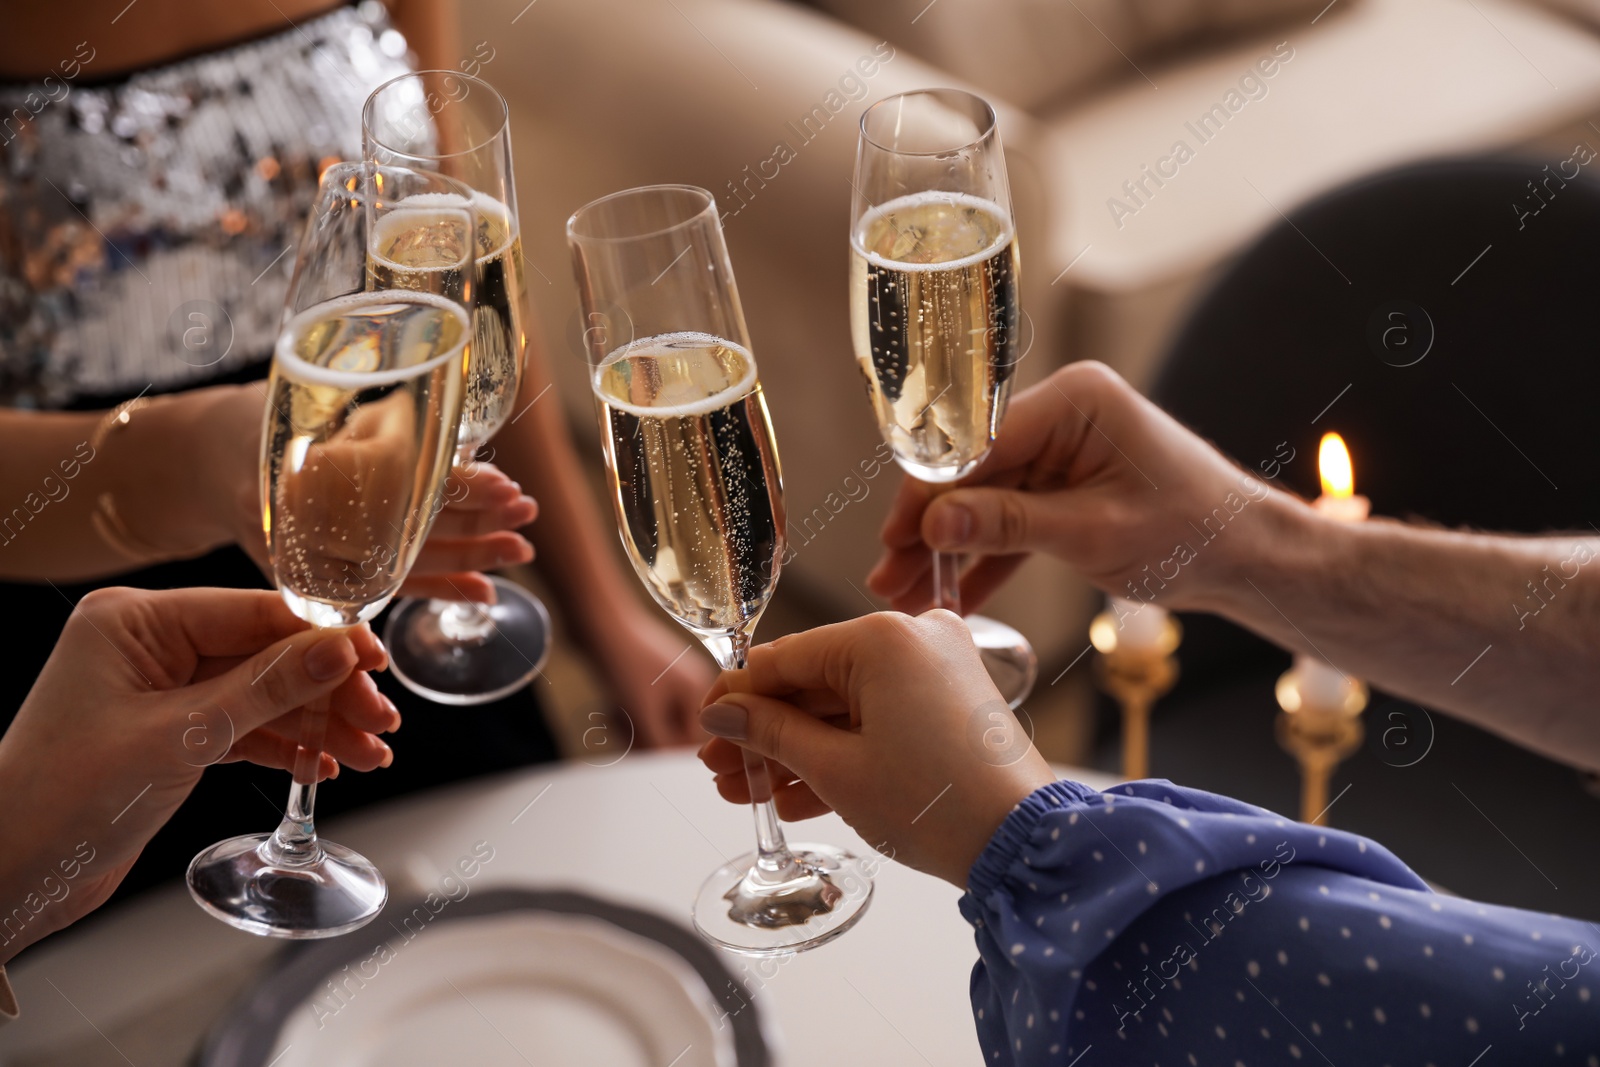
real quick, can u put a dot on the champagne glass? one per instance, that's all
(934, 309)
(364, 401)
(458, 652)
(694, 475)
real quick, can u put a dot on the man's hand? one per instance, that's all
(144, 691)
(1087, 470)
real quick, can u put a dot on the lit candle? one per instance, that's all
(1321, 685)
(1140, 626)
(1338, 500)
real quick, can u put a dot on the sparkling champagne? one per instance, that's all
(415, 246)
(695, 477)
(933, 314)
(364, 404)
(501, 344)
(423, 243)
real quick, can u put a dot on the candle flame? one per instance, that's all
(1333, 464)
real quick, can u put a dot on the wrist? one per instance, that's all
(176, 471)
(225, 425)
(1004, 849)
(26, 888)
(1276, 528)
(991, 809)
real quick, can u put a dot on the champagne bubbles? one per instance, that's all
(936, 326)
(694, 476)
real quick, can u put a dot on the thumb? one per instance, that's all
(995, 521)
(281, 677)
(777, 730)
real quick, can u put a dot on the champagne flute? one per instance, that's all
(458, 652)
(934, 309)
(694, 475)
(364, 401)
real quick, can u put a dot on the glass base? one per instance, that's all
(335, 891)
(499, 651)
(827, 895)
(1009, 658)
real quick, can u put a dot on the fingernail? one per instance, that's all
(724, 720)
(394, 716)
(952, 525)
(388, 755)
(330, 658)
(517, 554)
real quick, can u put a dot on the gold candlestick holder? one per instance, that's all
(1135, 677)
(1319, 738)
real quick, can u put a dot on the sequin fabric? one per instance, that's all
(147, 225)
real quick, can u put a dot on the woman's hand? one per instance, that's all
(475, 530)
(889, 720)
(144, 691)
(657, 675)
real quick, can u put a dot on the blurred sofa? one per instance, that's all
(1275, 102)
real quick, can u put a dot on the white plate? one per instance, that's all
(525, 989)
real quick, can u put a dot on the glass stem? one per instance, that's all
(774, 862)
(294, 843)
(946, 567)
(947, 581)
(464, 622)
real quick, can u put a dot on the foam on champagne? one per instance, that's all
(356, 366)
(694, 475)
(984, 227)
(407, 237)
(933, 311)
(693, 394)
(496, 231)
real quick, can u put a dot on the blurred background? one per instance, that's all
(1215, 197)
(1277, 218)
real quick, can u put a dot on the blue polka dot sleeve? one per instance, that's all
(1160, 925)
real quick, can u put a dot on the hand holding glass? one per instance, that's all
(934, 309)
(445, 122)
(698, 492)
(363, 405)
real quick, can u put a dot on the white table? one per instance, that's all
(143, 981)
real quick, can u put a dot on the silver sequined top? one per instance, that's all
(147, 225)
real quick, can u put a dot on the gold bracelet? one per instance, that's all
(105, 518)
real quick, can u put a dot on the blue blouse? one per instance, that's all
(1153, 924)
